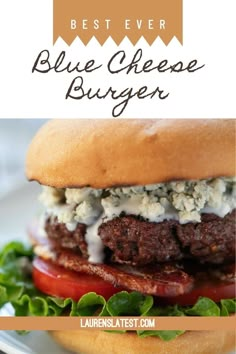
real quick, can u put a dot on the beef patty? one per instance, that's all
(131, 240)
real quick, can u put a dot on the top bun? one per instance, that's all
(112, 152)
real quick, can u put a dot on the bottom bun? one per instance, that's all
(192, 342)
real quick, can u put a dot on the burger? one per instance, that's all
(137, 212)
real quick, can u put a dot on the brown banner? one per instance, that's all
(117, 323)
(104, 18)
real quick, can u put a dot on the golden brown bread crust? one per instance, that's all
(95, 341)
(103, 153)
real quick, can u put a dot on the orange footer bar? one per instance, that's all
(118, 323)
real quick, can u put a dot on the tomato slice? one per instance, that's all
(215, 291)
(54, 280)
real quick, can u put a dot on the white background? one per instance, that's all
(209, 36)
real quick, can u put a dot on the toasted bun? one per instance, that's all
(104, 153)
(94, 341)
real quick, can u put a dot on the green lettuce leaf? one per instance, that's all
(227, 306)
(92, 304)
(129, 304)
(164, 335)
(204, 307)
(17, 288)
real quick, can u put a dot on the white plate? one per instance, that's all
(36, 342)
(17, 209)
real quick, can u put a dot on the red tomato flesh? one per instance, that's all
(54, 280)
(215, 291)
